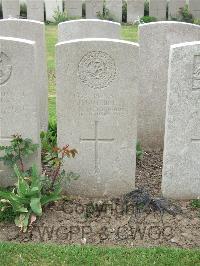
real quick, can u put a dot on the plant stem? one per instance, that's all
(55, 175)
(20, 158)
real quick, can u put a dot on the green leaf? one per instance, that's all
(35, 181)
(50, 198)
(16, 201)
(36, 206)
(22, 186)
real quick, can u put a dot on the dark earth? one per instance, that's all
(113, 222)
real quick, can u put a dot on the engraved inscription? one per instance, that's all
(100, 106)
(5, 68)
(196, 73)
(97, 69)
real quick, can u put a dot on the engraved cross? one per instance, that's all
(96, 141)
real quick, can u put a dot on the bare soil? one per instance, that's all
(111, 222)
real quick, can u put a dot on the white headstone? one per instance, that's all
(35, 10)
(51, 6)
(97, 83)
(115, 9)
(158, 9)
(194, 7)
(19, 97)
(88, 28)
(135, 10)
(93, 7)
(11, 8)
(181, 170)
(73, 8)
(155, 40)
(174, 7)
(34, 31)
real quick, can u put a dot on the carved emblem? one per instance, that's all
(97, 69)
(5, 68)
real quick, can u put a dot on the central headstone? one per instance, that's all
(93, 7)
(34, 31)
(19, 98)
(97, 83)
(88, 28)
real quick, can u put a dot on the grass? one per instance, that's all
(195, 203)
(128, 33)
(40, 254)
(51, 40)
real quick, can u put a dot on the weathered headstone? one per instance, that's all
(194, 8)
(158, 9)
(51, 6)
(93, 7)
(11, 8)
(19, 97)
(34, 31)
(174, 7)
(73, 8)
(115, 9)
(135, 10)
(88, 28)
(97, 83)
(35, 10)
(155, 40)
(181, 170)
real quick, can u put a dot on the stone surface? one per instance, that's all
(97, 83)
(93, 7)
(174, 7)
(19, 97)
(158, 9)
(115, 8)
(135, 10)
(51, 6)
(73, 8)
(35, 10)
(11, 8)
(155, 40)
(34, 31)
(88, 28)
(181, 170)
(194, 7)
